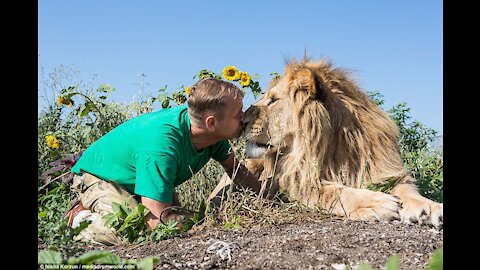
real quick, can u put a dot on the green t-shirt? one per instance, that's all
(150, 155)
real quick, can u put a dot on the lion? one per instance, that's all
(320, 138)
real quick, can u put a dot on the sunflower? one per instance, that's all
(231, 73)
(187, 91)
(244, 78)
(62, 100)
(52, 141)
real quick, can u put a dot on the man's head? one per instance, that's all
(216, 105)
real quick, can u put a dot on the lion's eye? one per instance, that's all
(272, 100)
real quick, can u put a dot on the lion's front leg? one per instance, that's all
(263, 171)
(255, 166)
(416, 208)
(360, 204)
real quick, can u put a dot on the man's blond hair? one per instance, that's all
(208, 96)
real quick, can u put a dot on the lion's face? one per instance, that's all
(269, 122)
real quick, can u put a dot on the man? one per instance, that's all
(150, 155)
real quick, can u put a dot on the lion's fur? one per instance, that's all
(337, 134)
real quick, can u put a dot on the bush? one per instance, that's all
(424, 161)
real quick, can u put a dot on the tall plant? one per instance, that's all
(424, 161)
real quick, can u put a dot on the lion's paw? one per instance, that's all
(422, 211)
(376, 206)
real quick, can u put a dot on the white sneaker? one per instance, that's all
(83, 215)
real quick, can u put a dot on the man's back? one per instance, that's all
(154, 146)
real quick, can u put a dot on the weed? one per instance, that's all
(96, 257)
(393, 262)
(436, 261)
(233, 223)
(53, 230)
(164, 230)
(129, 223)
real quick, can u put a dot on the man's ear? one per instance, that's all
(210, 122)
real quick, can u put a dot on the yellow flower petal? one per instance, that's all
(52, 141)
(62, 100)
(231, 73)
(244, 78)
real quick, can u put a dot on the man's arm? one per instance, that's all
(241, 173)
(156, 208)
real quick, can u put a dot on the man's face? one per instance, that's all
(230, 126)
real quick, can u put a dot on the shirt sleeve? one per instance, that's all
(155, 174)
(222, 150)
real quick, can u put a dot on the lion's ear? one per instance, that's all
(305, 79)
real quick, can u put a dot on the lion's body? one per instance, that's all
(317, 134)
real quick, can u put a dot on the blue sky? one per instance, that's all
(394, 47)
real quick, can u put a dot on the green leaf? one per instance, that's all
(49, 257)
(201, 212)
(110, 220)
(92, 257)
(162, 97)
(111, 259)
(256, 76)
(70, 95)
(83, 224)
(436, 262)
(127, 222)
(106, 88)
(187, 224)
(84, 110)
(142, 209)
(147, 263)
(393, 263)
(162, 231)
(165, 104)
(256, 94)
(163, 89)
(115, 207)
(126, 209)
(364, 266)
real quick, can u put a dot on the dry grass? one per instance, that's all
(241, 207)
(247, 209)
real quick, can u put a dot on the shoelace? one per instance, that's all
(223, 251)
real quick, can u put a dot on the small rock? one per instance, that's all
(339, 266)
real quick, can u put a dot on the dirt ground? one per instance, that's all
(309, 244)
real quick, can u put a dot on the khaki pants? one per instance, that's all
(97, 196)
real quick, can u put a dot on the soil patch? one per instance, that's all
(306, 244)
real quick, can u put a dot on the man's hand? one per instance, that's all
(157, 208)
